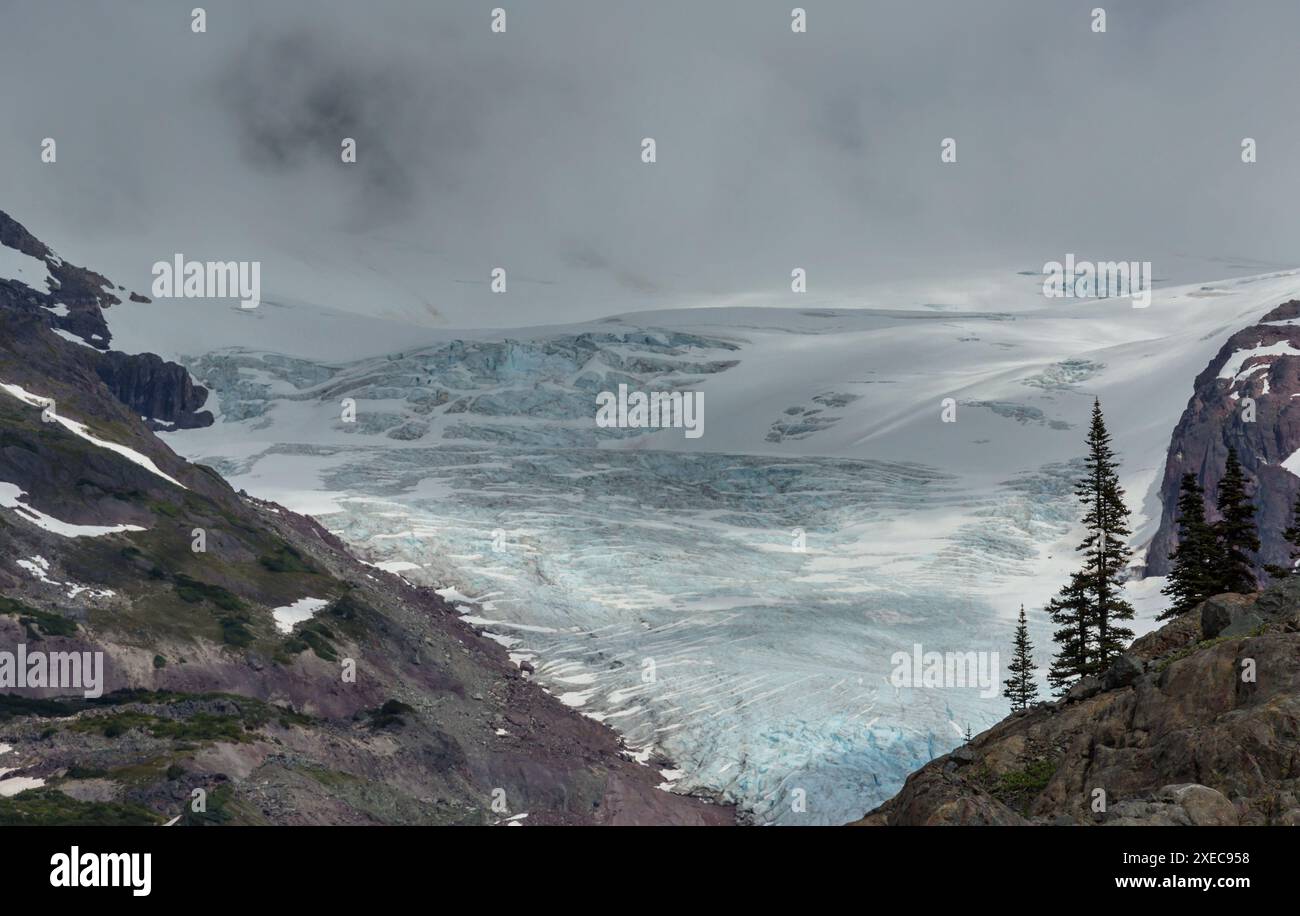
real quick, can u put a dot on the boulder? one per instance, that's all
(1123, 672)
(1244, 624)
(1281, 599)
(1179, 633)
(1205, 807)
(1219, 612)
(963, 754)
(1084, 688)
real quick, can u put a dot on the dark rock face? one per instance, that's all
(14, 235)
(1216, 418)
(1194, 728)
(84, 292)
(159, 391)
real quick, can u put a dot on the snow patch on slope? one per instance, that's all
(1232, 369)
(289, 616)
(32, 272)
(83, 431)
(11, 496)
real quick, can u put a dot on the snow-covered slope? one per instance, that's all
(653, 579)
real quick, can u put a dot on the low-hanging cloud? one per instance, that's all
(521, 150)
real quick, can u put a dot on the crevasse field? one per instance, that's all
(654, 581)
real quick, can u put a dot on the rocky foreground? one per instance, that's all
(1199, 724)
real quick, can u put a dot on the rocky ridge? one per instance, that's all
(1244, 399)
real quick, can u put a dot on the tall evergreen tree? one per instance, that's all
(1091, 608)
(1106, 553)
(1193, 576)
(1235, 530)
(1021, 688)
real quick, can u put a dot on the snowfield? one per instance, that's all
(289, 616)
(734, 600)
(12, 496)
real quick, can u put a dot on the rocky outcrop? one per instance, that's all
(14, 234)
(1188, 728)
(75, 296)
(161, 392)
(1243, 399)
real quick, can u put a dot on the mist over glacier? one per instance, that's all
(598, 555)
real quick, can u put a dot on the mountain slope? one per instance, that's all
(369, 703)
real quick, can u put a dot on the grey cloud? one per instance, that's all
(820, 150)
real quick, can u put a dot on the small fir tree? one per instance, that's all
(1021, 688)
(1235, 531)
(1192, 578)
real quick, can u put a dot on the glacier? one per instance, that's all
(733, 602)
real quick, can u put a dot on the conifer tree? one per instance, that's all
(1069, 610)
(1292, 534)
(1193, 576)
(1106, 554)
(1091, 609)
(1235, 530)
(1021, 688)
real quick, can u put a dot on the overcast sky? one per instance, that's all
(522, 150)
